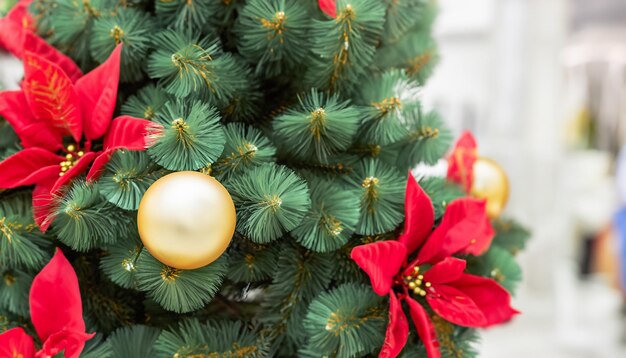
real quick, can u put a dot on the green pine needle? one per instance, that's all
(441, 193)
(211, 339)
(501, 266)
(186, 137)
(332, 219)
(147, 103)
(251, 262)
(131, 27)
(299, 277)
(245, 147)
(321, 125)
(391, 98)
(510, 235)
(270, 201)
(186, 65)
(72, 22)
(126, 177)
(416, 54)
(96, 347)
(348, 321)
(120, 261)
(273, 35)
(134, 342)
(381, 196)
(401, 16)
(178, 290)
(427, 142)
(9, 141)
(186, 15)
(344, 47)
(85, 220)
(22, 245)
(14, 289)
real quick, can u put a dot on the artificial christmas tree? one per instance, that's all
(308, 114)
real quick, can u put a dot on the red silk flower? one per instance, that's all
(50, 107)
(56, 311)
(434, 276)
(17, 35)
(328, 7)
(461, 161)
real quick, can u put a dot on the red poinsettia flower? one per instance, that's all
(17, 35)
(52, 115)
(461, 161)
(328, 7)
(56, 311)
(434, 276)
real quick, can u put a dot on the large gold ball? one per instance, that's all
(491, 183)
(186, 220)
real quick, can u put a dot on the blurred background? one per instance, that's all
(542, 84)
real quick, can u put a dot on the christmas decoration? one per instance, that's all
(50, 106)
(490, 183)
(56, 313)
(309, 113)
(435, 275)
(480, 177)
(186, 220)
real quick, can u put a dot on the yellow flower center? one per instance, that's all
(71, 158)
(416, 282)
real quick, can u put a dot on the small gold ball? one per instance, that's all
(420, 277)
(412, 285)
(71, 148)
(491, 183)
(428, 284)
(68, 156)
(186, 220)
(423, 293)
(417, 291)
(81, 153)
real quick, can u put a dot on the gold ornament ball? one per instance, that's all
(186, 220)
(491, 183)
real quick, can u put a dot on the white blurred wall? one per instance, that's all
(501, 76)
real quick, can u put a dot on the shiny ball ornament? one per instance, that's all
(491, 183)
(186, 220)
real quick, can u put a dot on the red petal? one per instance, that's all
(71, 343)
(419, 216)
(448, 270)
(381, 261)
(464, 228)
(98, 93)
(492, 299)
(461, 161)
(127, 132)
(78, 168)
(39, 46)
(42, 203)
(50, 95)
(29, 166)
(55, 303)
(98, 164)
(425, 328)
(40, 135)
(16, 343)
(328, 7)
(397, 330)
(14, 108)
(14, 26)
(455, 306)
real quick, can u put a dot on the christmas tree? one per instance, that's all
(303, 119)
